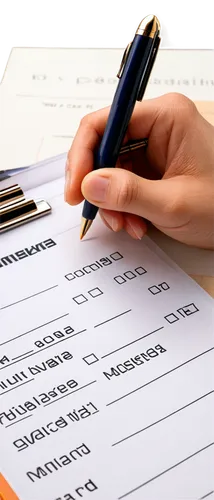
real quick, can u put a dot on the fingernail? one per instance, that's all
(96, 188)
(111, 221)
(67, 182)
(137, 230)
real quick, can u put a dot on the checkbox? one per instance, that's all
(90, 359)
(116, 256)
(130, 275)
(80, 299)
(171, 318)
(119, 279)
(140, 270)
(188, 310)
(154, 289)
(95, 292)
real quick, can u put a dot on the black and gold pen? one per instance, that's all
(134, 73)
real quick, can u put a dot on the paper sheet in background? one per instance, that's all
(45, 92)
(119, 386)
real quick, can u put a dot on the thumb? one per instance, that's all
(161, 201)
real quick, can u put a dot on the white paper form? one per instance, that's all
(106, 365)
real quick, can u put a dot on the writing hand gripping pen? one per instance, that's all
(134, 73)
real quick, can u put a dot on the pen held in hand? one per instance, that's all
(134, 73)
(127, 148)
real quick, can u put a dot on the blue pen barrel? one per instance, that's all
(124, 101)
(135, 73)
(89, 211)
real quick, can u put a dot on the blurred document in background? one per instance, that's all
(45, 93)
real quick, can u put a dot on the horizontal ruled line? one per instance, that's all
(207, 495)
(133, 342)
(17, 386)
(160, 376)
(23, 354)
(165, 471)
(43, 349)
(17, 421)
(29, 297)
(111, 319)
(69, 394)
(162, 419)
(34, 329)
(67, 230)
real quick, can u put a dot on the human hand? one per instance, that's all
(170, 184)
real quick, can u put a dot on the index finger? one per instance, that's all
(81, 155)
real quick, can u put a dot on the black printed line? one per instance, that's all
(34, 329)
(17, 421)
(207, 495)
(76, 390)
(111, 319)
(133, 342)
(162, 419)
(29, 297)
(24, 354)
(43, 349)
(17, 386)
(66, 230)
(160, 376)
(165, 471)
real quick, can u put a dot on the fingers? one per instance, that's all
(80, 159)
(81, 155)
(179, 150)
(135, 226)
(162, 201)
(153, 118)
(113, 220)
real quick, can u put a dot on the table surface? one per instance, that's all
(206, 282)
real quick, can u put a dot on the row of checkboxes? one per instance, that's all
(95, 292)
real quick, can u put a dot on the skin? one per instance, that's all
(170, 184)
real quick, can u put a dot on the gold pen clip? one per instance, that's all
(124, 59)
(15, 210)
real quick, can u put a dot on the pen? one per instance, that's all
(134, 73)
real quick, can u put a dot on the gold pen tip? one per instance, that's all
(85, 225)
